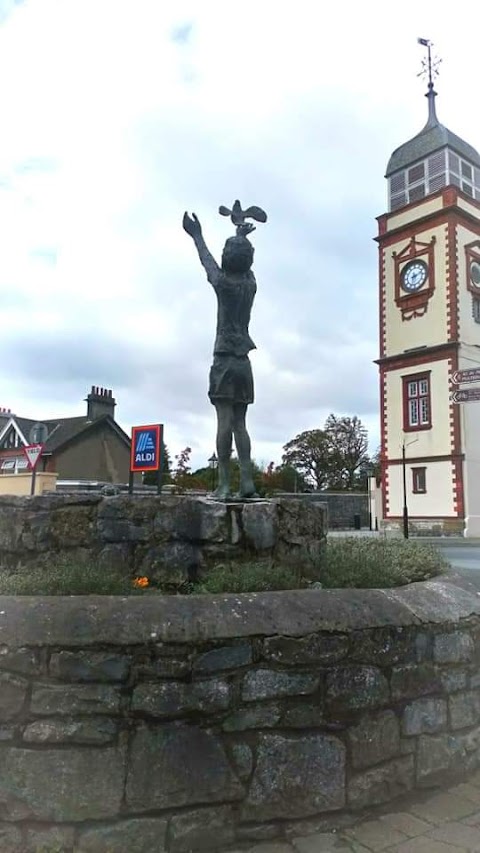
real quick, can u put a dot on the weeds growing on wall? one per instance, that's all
(346, 562)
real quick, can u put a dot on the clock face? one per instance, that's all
(475, 273)
(414, 275)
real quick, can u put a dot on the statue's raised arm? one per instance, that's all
(192, 226)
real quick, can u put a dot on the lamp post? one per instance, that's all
(404, 474)
(369, 472)
(213, 462)
(405, 508)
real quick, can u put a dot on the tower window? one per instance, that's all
(440, 170)
(416, 402)
(476, 308)
(416, 173)
(417, 192)
(397, 182)
(453, 162)
(437, 182)
(436, 164)
(419, 481)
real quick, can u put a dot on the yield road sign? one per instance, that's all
(33, 453)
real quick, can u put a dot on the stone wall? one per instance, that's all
(342, 507)
(186, 724)
(425, 526)
(169, 538)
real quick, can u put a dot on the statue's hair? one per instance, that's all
(239, 242)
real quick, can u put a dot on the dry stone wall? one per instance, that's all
(169, 538)
(185, 724)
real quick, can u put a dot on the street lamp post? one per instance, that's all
(405, 508)
(369, 473)
(213, 462)
(404, 473)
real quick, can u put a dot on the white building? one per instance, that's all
(429, 277)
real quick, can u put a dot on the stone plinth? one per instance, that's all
(169, 538)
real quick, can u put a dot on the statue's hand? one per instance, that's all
(192, 225)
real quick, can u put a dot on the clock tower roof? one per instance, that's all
(433, 137)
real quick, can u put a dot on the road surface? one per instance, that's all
(464, 556)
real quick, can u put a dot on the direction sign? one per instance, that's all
(33, 453)
(146, 447)
(465, 395)
(471, 375)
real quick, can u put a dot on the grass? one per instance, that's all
(259, 576)
(66, 577)
(348, 562)
(379, 563)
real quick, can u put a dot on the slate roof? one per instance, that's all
(63, 430)
(433, 137)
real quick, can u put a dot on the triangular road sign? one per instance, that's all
(33, 453)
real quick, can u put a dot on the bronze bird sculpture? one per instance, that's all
(238, 216)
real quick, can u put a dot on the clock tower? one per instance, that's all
(429, 278)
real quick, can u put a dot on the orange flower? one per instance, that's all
(141, 581)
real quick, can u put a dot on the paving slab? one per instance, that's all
(321, 842)
(457, 833)
(426, 845)
(468, 791)
(410, 825)
(443, 807)
(375, 835)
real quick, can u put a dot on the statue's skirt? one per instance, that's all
(231, 379)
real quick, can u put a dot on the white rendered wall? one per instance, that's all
(431, 328)
(436, 502)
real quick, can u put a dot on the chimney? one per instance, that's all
(100, 402)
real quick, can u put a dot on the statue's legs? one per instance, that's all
(224, 410)
(242, 443)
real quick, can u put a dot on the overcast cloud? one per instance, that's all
(118, 115)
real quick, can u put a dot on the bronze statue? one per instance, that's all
(231, 378)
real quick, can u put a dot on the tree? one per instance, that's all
(371, 466)
(283, 478)
(309, 453)
(150, 477)
(182, 471)
(329, 457)
(348, 440)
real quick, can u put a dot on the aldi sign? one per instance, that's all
(146, 447)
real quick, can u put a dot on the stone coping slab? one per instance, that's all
(83, 620)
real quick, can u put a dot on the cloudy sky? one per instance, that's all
(117, 116)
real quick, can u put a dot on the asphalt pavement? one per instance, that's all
(464, 556)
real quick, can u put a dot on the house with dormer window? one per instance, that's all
(89, 447)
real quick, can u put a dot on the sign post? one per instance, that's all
(146, 452)
(470, 375)
(33, 453)
(465, 395)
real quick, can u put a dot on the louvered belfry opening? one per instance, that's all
(421, 179)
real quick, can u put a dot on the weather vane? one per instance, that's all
(429, 65)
